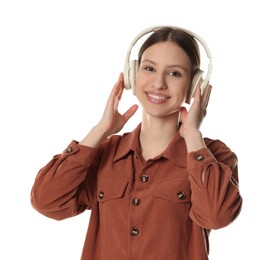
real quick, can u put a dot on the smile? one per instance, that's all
(157, 98)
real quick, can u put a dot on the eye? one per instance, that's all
(175, 74)
(148, 68)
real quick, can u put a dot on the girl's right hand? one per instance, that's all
(112, 121)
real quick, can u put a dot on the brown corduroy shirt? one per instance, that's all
(163, 208)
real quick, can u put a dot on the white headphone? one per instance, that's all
(131, 66)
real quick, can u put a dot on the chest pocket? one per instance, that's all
(177, 191)
(110, 189)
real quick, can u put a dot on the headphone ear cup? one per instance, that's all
(197, 80)
(133, 66)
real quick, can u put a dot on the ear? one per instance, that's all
(197, 80)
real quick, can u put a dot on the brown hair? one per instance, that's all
(183, 39)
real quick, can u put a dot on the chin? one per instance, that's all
(162, 114)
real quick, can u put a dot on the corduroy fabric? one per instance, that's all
(160, 209)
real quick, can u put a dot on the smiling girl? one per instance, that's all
(156, 192)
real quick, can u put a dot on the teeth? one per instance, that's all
(156, 97)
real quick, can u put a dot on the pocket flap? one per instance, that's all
(176, 191)
(110, 188)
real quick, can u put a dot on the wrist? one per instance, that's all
(95, 137)
(194, 140)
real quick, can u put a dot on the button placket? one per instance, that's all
(142, 176)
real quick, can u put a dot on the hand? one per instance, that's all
(112, 121)
(192, 119)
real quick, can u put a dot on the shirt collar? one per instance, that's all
(129, 142)
(176, 151)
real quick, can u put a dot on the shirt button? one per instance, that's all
(69, 150)
(136, 202)
(134, 232)
(144, 178)
(101, 195)
(181, 195)
(199, 157)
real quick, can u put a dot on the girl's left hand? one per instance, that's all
(192, 119)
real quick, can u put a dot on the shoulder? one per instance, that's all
(215, 143)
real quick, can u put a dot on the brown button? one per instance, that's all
(199, 157)
(101, 195)
(69, 150)
(136, 202)
(144, 178)
(134, 232)
(181, 195)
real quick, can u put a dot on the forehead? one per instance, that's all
(167, 52)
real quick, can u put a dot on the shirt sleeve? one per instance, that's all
(66, 186)
(213, 174)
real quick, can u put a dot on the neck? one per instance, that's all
(156, 134)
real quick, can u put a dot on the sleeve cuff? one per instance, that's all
(200, 158)
(81, 153)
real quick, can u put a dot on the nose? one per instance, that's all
(159, 81)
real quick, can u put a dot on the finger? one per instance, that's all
(130, 112)
(120, 89)
(197, 94)
(115, 104)
(116, 87)
(121, 86)
(206, 96)
(115, 91)
(183, 114)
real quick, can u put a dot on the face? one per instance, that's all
(163, 79)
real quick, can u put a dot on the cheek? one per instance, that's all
(182, 87)
(181, 99)
(140, 79)
(139, 83)
(186, 88)
(180, 96)
(137, 87)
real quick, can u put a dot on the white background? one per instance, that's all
(58, 62)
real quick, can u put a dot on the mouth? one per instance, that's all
(157, 98)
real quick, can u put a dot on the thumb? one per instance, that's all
(183, 113)
(130, 112)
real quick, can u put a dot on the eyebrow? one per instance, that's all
(170, 66)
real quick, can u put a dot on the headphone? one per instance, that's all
(131, 66)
